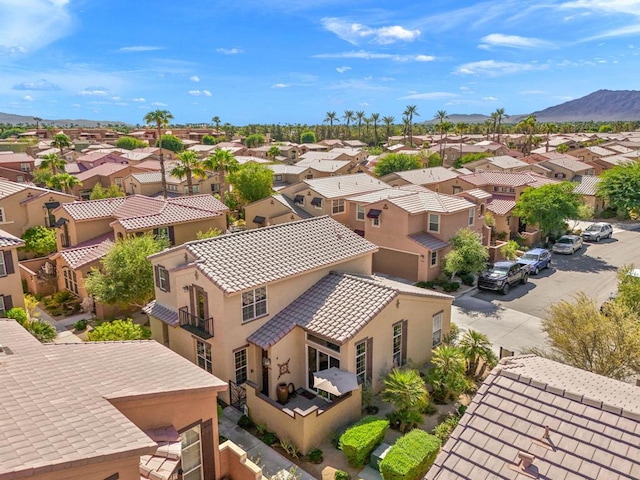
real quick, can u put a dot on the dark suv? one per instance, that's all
(502, 275)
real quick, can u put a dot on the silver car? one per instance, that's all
(568, 244)
(597, 231)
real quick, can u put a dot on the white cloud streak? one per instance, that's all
(199, 93)
(355, 33)
(139, 48)
(429, 96)
(512, 41)
(493, 68)
(364, 55)
(229, 51)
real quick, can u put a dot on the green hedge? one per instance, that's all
(410, 457)
(360, 440)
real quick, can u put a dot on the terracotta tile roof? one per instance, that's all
(91, 209)
(55, 399)
(86, 253)
(248, 259)
(428, 241)
(424, 176)
(345, 185)
(282, 169)
(162, 313)
(8, 240)
(594, 426)
(570, 163)
(587, 185)
(478, 193)
(156, 177)
(507, 179)
(327, 166)
(500, 205)
(104, 169)
(337, 307)
(391, 192)
(8, 188)
(505, 161)
(10, 157)
(431, 202)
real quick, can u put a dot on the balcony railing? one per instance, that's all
(202, 327)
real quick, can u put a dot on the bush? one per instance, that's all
(18, 314)
(315, 456)
(43, 331)
(451, 286)
(430, 408)
(609, 212)
(467, 278)
(270, 438)
(426, 284)
(410, 457)
(245, 422)
(81, 325)
(341, 475)
(444, 429)
(289, 448)
(360, 440)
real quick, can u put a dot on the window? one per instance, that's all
(3, 268)
(399, 354)
(163, 279)
(215, 188)
(434, 222)
(2, 218)
(25, 167)
(361, 361)
(434, 259)
(360, 213)
(118, 181)
(195, 188)
(172, 188)
(375, 222)
(254, 304)
(317, 203)
(3, 306)
(337, 206)
(19, 178)
(162, 232)
(70, 280)
(203, 355)
(437, 329)
(278, 178)
(191, 454)
(457, 189)
(472, 216)
(298, 200)
(241, 366)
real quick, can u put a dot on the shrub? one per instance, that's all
(444, 429)
(245, 422)
(410, 457)
(341, 475)
(261, 430)
(315, 456)
(360, 440)
(18, 314)
(290, 449)
(608, 212)
(467, 278)
(451, 286)
(43, 331)
(81, 325)
(430, 408)
(426, 284)
(270, 438)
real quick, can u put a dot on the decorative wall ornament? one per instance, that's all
(283, 368)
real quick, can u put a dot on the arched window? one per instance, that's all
(70, 280)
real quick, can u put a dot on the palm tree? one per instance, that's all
(331, 117)
(161, 118)
(447, 375)
(273, 152)
(52, 162)
(548, 128)
(222, 162)
(494, 121)
(188, 165)
(360, 116)
(405, 128)
(499, 116)
(441, 115)
(409, 112)
(528, 127)
(476, 349)
(406, 390)
(388, 122)
(461, 127)
(61, 141)
(367, 124)
(375, 117)
(348, 117)
(64, 182)
(37, 120)
(216, 120)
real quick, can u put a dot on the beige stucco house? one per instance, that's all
(108, 410)
(150, 184)
(105, 174)
(10, 283)
(270, 308)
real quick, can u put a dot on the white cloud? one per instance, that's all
(195, 78)
(41, 84)
(139, 48)
(355, 32)
(94, 92)
(493, 68)
(28, 98)
(139, 100)
(364, 55)
(512, 41)
(489, 99)
(28, 25)
(229, 51)
(429, 96)
(199, 93)
(159, 104)
(342, 69)
(424, 58)
(280, 85)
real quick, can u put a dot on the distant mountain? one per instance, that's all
(27, 120)
(600, 106)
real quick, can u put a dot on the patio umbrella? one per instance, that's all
(335, 381)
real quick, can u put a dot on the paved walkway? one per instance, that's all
(63, 326)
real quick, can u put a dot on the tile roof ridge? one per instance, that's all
(102, 342)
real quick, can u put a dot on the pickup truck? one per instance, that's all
(502, 275)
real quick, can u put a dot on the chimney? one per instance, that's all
(526, 459)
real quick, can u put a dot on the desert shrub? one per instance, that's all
(430, 408)
(410, 457)
(290, 449)
(426, 284)
(467, 278)
(608, 212)
(261, 430)
(245, 422)
(18, 314)
(341, 475)
(451, 286)
(315, 456)
(444, 429)
(270, 438)
(43, 331)
(81, 325)
(361, 439)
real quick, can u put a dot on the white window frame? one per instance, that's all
(437, 329)
(396, 354)
(360, 213)
(338, 206)
(70, 280)
(433, 259)
(437, 217)
(172, 188)
(278, 178)
(375, 222)
(118, 181)
(240, 364)
(472, 216)
(195, 472)
(203, 355)
(2, 305)
(163, 277)
(361, 361)
(25, 167)
(254, 304)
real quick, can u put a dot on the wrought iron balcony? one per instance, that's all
(202, 327)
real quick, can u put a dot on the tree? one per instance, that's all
(40, 240)
(548, 206)
(499, 116)
(562, 148)
(406, 390)
(331, 117)
(476, 348)
(628, 293)
(441, 116)
(348, 117)
(360, 117)
(397, 162)
(606, 343)
(222, 162)
(252, 181)
(188, 165)
(209, 140)
(388, 122)
(61, 141)
(255, 140)
(161, 118)
(171, 142)
(99, 192)
(42, 176)
(126, 276)
(308, 137)
(216, 120)
(118, 330)
(447, 375)
(273, 152)
(375, 118)
(64, 182)
(527, 126)
(510, 250)
(620, 186)
(212, 232)
(410, 111)
(130, 143)
(470, 157)
(467, 253)
(53, 163)
(549, 128)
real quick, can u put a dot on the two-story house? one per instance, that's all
(430, 178)
(17, 167)
(150, 184)
(271, 308)
(105, 174)
(10, 284)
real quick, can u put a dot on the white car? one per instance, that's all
(597, 231)
(568, 244)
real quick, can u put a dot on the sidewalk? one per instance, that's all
(63, 326)
(261, 454)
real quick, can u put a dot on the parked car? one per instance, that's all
(536, 259)
(502, 275)
(597, 231)
(568, 244)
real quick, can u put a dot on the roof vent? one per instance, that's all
(525, 465)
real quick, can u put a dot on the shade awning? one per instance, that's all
(298, 199)
(51, 205)
(316, 202)
(335, 381)
(373, 213)
(258, 219)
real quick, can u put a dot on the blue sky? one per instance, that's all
(291, 61)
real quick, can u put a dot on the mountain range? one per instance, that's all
(600, 106)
